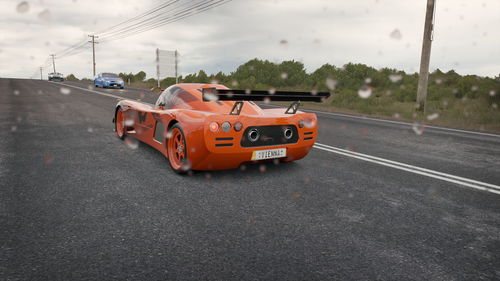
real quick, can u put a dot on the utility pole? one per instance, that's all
(176, 75)
(93, 50)
(425, 57)
(41, 78)
(53, 62)
(158, 66)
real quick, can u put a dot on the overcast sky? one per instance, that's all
(315, 32)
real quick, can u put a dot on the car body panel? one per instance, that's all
(207, 150)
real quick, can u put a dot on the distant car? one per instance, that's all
(108, 80)
(56, 76)
(210, 127)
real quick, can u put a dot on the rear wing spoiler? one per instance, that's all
(213, 94)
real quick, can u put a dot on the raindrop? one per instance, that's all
(474, 88)
(90, 87)
(168, 135)
(40, 92)
(23, 7)
(432, 116)
(395, 77)
(283, 42)
(368, 80)
(439, 81)
(142, 95)
(44, 15)
(19, 119)
(13, 128)
(314, 92)
(396, 34)
(65, 91)
(267, 100)
(276, 161)
(309, 124)
(214, 82)
(16, 92)
(129, 122)
(90, 130)
(234, 83)
(271, 91)
(396, 115)
(492, 93)
(284, 75)
(262, 168)
(186, 165)
(365, 92)
(243, 167)
(193, 149)
(131, 142)
(494, 105)
(331, 83)
(418, 128)
(211, 96)
(248, 91)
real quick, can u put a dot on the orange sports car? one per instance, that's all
(210, 127)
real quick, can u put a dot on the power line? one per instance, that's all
(155, 23)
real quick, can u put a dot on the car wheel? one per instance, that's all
(120, 124)
(177, 150)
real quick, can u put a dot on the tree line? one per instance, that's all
(345, 82)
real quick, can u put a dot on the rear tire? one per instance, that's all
(120, 124)
(177, 150)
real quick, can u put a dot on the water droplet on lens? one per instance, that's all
(432, 116)
(284, 75)
(262, 168)
(267, 100)
(492, 93)
(418, 128)
(243, 167)
(65, 91)
(23, 7)
(211, 97)
(368, 80)
(271, 91)
(44, 15)
(283, 42)
(129, 122)
(186, 165)
(234, 83)
(16, 92)
(131, 142)
(276, 161)
(396, 115)
(90, 130)
(214, 82)
(13, 128)
(395, 77)
(365, 92)
(396, 34)
(248, 91)
(168, 135)
(331, 83)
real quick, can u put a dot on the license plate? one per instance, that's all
(269, 154)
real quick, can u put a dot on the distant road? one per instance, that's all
(373, 200)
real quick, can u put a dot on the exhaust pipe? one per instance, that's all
(288, 133)
(253, 135)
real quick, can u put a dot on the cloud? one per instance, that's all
(466, 36)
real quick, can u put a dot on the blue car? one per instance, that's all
(108, 80)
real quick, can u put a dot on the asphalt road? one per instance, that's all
(76, 203)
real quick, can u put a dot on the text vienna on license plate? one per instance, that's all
(269, 154)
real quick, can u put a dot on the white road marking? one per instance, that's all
(395, 122)
(385, 162)
(412, 169)
(93, 91)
